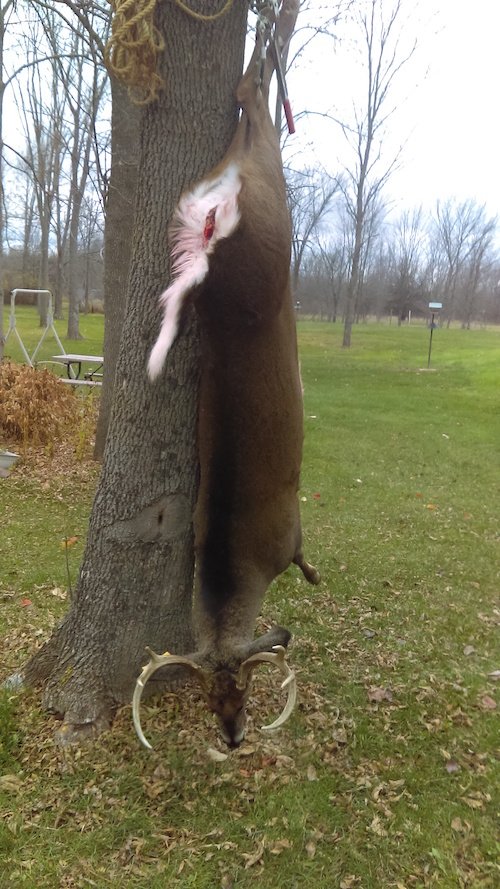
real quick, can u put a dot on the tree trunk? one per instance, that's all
(135, 583)
(43, 276)
(74, 276)
(353, 282)
(352, 289)
(120, 210)
(58, 282)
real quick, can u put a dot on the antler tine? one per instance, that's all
(277, 657)
(156, 661)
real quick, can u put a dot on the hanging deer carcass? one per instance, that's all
(231, 251)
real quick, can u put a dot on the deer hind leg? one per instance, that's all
(261, 66)
(310, 573)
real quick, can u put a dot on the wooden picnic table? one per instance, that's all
(74, 363)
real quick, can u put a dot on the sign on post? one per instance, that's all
(435, 308)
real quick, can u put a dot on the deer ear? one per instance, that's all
(276, 636)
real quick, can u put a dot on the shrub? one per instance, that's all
(35, 408)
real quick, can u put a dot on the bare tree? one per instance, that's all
(333, 261)
(41, 107)
(481, 259)
(136, 579)
(464, 234)
(406, 253)
(91, 239)
(380, 26)
(117, 186)
(310, 197)
(81, 84)
(6, 9)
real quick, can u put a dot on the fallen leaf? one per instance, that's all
(377, 827)
(216, 755)
(487, 703)
(495, 675)
(10, 783)
(469, 649)
(279, 846)
(311, 849)
(68, 541)
(283, 761)
(312, 775)
(254, 857)
(472, 802)
(25, 603)
(430, 506)
(377, 695)
(247, 750)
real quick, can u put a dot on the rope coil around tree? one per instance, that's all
(201, 16)
(133, 48)
(132, 51)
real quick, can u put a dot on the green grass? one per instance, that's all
(386, 775)
(91, 330)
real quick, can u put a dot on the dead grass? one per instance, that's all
(34, 407)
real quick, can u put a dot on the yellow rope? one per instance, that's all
(133, 48)
(205, 18)
(135, 43)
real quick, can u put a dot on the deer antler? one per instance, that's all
(156, 661)
(277, 657)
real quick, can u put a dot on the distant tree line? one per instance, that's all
(54, 162)
(448, 256)
(349, 260)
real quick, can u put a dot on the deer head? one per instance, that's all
(225, 691)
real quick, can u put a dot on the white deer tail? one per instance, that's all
(204, 216)
(173, 299)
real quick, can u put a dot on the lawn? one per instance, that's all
(91, 330)
(386, 775)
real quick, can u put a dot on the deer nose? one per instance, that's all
(233, 735)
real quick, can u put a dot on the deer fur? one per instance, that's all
(233, 264)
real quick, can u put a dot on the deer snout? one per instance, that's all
(227, 701)
(233, 730)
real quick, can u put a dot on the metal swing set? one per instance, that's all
(49, 326)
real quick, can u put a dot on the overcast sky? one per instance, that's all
(448, 98)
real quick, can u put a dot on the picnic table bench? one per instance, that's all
(73, 362)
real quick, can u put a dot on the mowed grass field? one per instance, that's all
(387, 775)
(27, 327)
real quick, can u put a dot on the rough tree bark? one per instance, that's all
(120, 209)
(135, 582)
